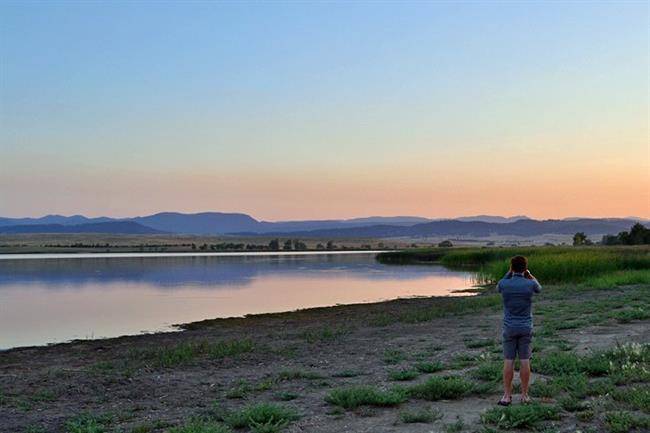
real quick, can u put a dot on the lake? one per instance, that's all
(56, 298)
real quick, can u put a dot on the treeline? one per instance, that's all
(276, 245)
(273, 245)
(638, 235)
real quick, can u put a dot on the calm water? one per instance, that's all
(59, 299)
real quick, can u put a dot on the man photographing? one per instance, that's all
(517, 288)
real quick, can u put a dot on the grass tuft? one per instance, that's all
(356, 396)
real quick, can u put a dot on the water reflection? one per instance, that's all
(55, 300)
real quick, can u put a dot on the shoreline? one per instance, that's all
(177, 328)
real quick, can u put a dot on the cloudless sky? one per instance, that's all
(290, 110)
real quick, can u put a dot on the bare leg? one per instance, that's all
(524, 375)
(508, 374)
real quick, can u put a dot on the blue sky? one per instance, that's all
(299, 109)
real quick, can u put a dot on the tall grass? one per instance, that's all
(549, 264)
(557, 265)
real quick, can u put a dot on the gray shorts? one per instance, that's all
(516, 341)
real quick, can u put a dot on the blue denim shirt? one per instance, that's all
(517, 293)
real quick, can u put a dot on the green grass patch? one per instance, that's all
(286, 396)
(422, 416)
(628, 315)
(326, 334)
(625, 422)
(567, 363)
(442, 388)
(456, 426)
(403, 375)
(346, 373)
(299, 374)
(526, 416)
(356, 396)
(429, 367)
(183, 353)
(393, 356)
(619, 278)
(629, 363)
(476, 344)
(489, 371)
(88, 423)
(261, 417)
(200, 425)
(637, 397)
(461, 361)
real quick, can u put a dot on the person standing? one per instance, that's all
(517, 288)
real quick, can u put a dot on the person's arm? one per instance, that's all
(537, 288)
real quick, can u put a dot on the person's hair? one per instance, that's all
(519, 264)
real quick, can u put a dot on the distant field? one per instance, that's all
(101, 243)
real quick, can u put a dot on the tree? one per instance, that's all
(320, 247)
(445, 244)
(610, 240)
(287, 245)
(330, 245)
(639, 235)
(580, 238)
(274, 245)
(299, 245)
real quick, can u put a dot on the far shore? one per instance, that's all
(81, 255)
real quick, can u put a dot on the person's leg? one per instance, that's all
(509, 352)
(525, 350)
(508, 374)
(524, 375)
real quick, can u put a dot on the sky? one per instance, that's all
(310, 110)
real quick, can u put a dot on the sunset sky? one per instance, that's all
(325, 110)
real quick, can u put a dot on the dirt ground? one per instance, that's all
(43, 387)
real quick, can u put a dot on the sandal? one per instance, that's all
(504, 402)
(525, 399)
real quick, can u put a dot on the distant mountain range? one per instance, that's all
(218, 223)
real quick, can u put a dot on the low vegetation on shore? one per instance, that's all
(549, 264)
(410, 365)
